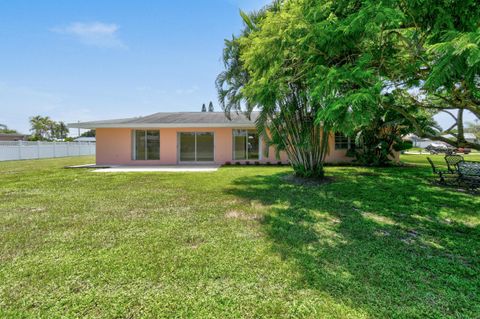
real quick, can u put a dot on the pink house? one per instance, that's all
(188, 138)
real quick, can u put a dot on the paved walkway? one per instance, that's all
(166, 168)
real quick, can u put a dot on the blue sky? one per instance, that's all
(88, 60)
(92, 60)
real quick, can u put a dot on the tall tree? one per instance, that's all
(61, 130)
(40, 127)
(311, 65)
(204, 108)
(210, 107)
(259, 75)
(44, 128)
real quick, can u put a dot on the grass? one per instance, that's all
(421, 159)
(240, 242)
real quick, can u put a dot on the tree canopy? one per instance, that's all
(44, 128)
(5, 130)
(345, 62)
(210, 107)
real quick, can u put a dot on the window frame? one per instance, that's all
(134, 144)
(247, 158)
(195, 133)
(345, 141)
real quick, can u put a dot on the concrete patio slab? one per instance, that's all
(166, 168)
(87, 166)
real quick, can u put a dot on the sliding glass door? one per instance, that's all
(196, 146)
(204, 147)
(187, 147)
(246, 145)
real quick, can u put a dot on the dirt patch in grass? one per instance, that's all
(297, 180)
(235, 214)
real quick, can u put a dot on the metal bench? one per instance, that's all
(442, 175)
(469, 174)
(452, 162)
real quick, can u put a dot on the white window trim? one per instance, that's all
(179, 161)
(134, 144)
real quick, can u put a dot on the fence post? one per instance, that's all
(38, 149)
(54, 149)
(19, 149)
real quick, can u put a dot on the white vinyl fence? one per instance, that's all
(20, 150)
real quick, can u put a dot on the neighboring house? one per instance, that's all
(12, 137)
(90, 139)
(418, 141)
(424, 142)
(189, 137)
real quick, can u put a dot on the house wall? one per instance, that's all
(114, 147)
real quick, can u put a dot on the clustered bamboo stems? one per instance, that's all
(305, 142)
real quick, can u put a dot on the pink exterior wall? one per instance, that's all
(114, 147)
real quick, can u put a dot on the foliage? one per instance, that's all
(5, 130)
(473, 128)
(204, 108)
(210, 107)
(89, 133)
(44, 128)
(241, 242)
(259, 75)
(376, 142)
(345, 61)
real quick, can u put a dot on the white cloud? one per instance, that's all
(189, 91)
(99, 34)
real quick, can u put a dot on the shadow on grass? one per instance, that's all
(383, 241)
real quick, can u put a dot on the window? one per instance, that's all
(146, 145)
(342, 142)
(196, 146)
(246, 145)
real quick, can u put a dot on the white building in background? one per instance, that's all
(418, 141)
(85, 139)
(424, 142)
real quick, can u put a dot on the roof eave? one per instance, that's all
(87, 125)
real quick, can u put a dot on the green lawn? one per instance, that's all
(241, 242)
(421, 159)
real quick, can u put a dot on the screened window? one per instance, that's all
(196, 146)
(342, 142)
(246, 145)
(146, 145)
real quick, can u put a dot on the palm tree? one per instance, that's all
(61, 130)
(42, 127)
(38, 127)
(286, 122)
